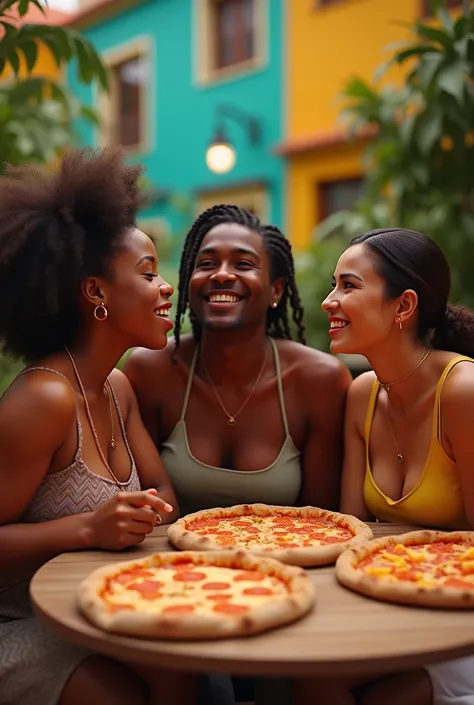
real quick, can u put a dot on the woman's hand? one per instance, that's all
(125, 520)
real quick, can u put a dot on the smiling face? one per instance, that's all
(360, 315)
(136, 297)
(230, 285)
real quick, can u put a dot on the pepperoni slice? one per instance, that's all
(218, 598)
(215, 586)
(302, 529)
(317, 536)
(179, 609)
(203, 524)
(281, 532)
(407, 575)
(230, 609)
(258, 590)
(221, 532)
(133, 575)
(252, 530)
(249, 575)
(332, 539)
(189, 576)
(146, 586)
(441, 547)
(242, 524)
(120, 608)
(458, 583)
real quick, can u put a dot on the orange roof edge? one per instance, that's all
(35, 16)
(102, 9)
(319, 140)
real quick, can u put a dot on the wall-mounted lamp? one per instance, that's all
(221, 155)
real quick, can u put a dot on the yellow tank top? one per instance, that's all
(436, 500)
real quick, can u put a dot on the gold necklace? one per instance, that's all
(108, 390)
(400, 456)
(388, 386)
(231, 418)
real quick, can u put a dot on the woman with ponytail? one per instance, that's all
(409, 429)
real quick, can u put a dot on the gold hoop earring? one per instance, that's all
(104, 313)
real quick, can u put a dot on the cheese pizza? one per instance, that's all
(433, 568)
(303, 536)
(194, 595)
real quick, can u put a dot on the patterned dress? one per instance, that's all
(35, 664)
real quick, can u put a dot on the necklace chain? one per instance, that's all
(231, 418)
(108, 390)
(386, 387)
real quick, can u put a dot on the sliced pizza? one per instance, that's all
(302, 536)
(194, 595)
(433, 568)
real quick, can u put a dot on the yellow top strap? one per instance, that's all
(370, 409)
(439, 388)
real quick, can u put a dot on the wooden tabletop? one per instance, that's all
(346, 634)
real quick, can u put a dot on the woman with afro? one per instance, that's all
(78, 287)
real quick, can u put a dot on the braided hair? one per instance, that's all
(281, 265)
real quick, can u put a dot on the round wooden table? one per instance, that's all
(345, 635)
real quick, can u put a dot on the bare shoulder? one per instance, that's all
(458, 390)
(314, 366)
(141, 362)
(360, 388)
(40, 398)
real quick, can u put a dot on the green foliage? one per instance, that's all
(420, 164)
(37, 114)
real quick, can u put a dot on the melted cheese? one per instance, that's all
(429, 565)
(193, 593)
(270, 532)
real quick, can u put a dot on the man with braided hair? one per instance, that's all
(240, 411)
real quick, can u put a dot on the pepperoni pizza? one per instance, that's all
(195, 595)
(303, 536)
(426, 567)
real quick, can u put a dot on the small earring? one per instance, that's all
(400, 324)
(274, 304)
(103, 312)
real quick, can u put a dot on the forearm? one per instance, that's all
(28, 546)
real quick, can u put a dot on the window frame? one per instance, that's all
(107, 103)
(204, 66)
(322, 209)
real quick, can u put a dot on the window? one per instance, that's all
(125, 111)
(340, 195)
(230, 37)
(449, 4)
(233, 24)
(129, 78)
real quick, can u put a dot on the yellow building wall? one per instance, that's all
(45, 66)
(326, 46)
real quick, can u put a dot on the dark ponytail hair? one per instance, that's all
(407, 259)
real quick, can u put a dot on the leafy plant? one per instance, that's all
(37, 114)
(420, 163)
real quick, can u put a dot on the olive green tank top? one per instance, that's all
(201, 486)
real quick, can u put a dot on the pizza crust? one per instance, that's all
(404, 592)
(275, 612)
(305, 556)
